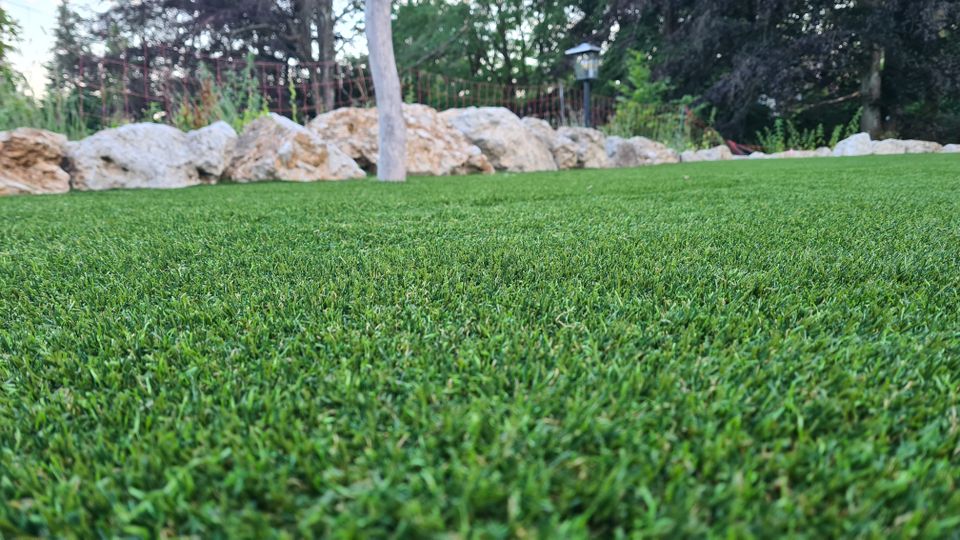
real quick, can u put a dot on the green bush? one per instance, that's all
(784, 135)
(236, 100)
(60, 113)
(644, 111)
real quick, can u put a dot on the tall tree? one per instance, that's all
(8, 34)
(821, 59)
(298, 33)
(69, 48)
(391, 161)
(509, 42)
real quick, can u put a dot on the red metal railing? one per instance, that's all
(123, 88)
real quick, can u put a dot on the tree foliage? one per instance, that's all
(750, 62)
(8, 34)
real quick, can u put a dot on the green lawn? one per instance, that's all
(722, 349)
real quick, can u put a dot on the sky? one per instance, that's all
(37, 19)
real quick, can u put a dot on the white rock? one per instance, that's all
(951, 148)
(564, 149)
(434, 147)
(794, 154)
(638, 152)
(590, 146)
(823, 151)
(213, 148)
(503, 138)
(133, 156)
(274, 147)
(718, 153)
(897, 146)
(30, 162)
(855, 145)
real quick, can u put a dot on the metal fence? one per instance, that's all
(115, 89)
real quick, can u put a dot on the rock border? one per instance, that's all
(340, 144)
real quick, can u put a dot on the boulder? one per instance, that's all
(564, 150)
(951, 148)
(897, 146)
(637, 152)
(855, 145)
(213, 148)
(274, 147)
(434, 147)
(590, 146)
(718, 153)
(30, 162)
(503, 138)
(134, 156)
(794, 154)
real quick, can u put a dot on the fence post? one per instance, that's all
(101, 68)
(126, 89)
(80, 94)
(279, 80)
(563, 107)
(146, 77)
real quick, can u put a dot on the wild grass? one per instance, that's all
(746, 349)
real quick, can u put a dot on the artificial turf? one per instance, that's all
(723, 349)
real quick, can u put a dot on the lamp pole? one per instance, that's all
(586, 68)
(587, 117)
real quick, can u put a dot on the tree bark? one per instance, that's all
(871, 90)
(391, 161)
(327, 53)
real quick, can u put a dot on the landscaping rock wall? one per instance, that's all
(30, 162)
(342, 145)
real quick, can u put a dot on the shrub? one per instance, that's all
(784, 135)
(644, 111)
(57, 112)
(236, 100)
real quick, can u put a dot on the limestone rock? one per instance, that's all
(213, 148)
(638, 151)
(564, 150)
(897, 146)
(503, 138)
(855, 145)
(590, 146)
(718, 153)
(30, 162)
(951, 149)
(274, 147)
(134, 156)
(434, 147)
(794, 154)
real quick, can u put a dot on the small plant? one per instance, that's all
(292, 91)
(644, 111)
(842, 132)
(57, 112)
(784, 135)
(236, 100)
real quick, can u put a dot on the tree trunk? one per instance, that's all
(871, 90)
(328, 54)
(391, 161)
(304, 11)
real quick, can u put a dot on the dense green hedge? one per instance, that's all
(731, 349)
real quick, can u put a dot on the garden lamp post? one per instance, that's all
(586, 68)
